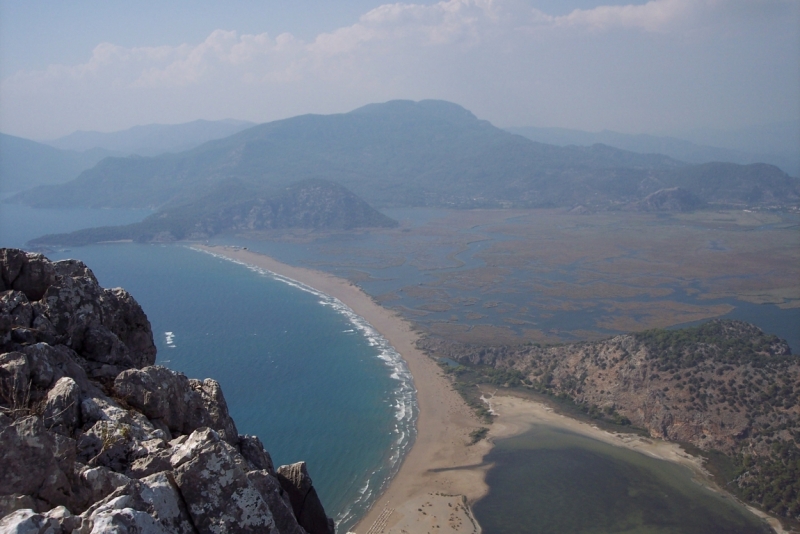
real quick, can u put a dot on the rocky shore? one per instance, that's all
(96, 438)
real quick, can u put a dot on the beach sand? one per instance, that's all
(516, 416)
(442, 475)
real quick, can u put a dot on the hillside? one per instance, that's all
(674, 199)
(25, 164)
(724, 387)
(233, 206)
(96, 438)
(403, 153)
(771, 149)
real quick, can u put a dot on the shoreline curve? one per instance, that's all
(441, 475)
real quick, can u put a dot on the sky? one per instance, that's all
(638, 67)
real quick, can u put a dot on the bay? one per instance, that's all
(313, 381)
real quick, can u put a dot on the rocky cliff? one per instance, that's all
(96, 438)
(724, 386)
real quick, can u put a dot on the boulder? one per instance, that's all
(28, 522)
(28, 461)
(23, 271)
(62, 409)
(183, 405)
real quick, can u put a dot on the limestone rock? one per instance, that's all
(278, 501)
(257, 457)
(231, 501)
(307, 507)
(14, 502)
(95, 438)
(183, 405)
(29, 273)
(27, 457)
(62, 410)
(28, 522)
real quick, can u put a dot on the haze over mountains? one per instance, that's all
(776, 144)
(25, 163)
(402, 153)
(152, 139)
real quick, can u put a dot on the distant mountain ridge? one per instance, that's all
(696, 151)
(25, 163)
(152, 139)
(403, 153)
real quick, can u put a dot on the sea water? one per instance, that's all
(300, 370)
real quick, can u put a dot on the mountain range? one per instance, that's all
(25, 163)
(427, 153)
(152, 139)
(778, 145)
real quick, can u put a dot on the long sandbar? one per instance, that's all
(442, 474)
(441, 466)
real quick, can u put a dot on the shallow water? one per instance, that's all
(552, 481)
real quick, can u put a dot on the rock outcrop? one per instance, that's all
(96, 438)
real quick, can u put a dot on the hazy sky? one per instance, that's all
(657, 66)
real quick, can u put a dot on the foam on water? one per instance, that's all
(404, 395)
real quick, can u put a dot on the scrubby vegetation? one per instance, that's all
(478, 434)
(724, 387)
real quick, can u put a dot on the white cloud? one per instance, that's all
(634, 67)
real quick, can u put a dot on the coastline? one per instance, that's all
(516, 415)
(441, 467)
(441, 475)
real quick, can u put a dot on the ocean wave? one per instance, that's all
(404, 396)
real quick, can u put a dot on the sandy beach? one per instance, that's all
(442, 475)
(516, 415)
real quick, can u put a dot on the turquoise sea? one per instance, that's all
(298, 369)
